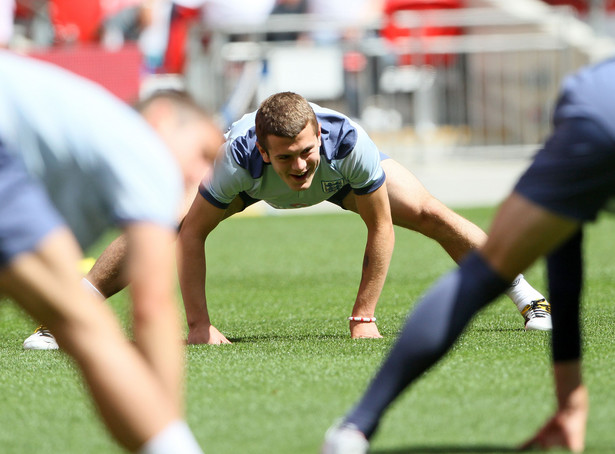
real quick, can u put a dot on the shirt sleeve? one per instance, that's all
(361, 167)
(226, 181)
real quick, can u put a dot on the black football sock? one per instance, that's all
(565, 270)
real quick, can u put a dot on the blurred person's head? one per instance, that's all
(186, 129)
(288, 137)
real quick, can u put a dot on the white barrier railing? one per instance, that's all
(489, 89)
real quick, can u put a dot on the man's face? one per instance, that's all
(294, 160)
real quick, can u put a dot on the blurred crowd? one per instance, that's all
(159, 27)
(156, 32)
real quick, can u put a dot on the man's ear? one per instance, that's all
(263, 153)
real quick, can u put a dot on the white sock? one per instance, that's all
(176, 438)
(88, 285)
(522, 293)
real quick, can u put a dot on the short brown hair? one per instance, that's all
(284, 114)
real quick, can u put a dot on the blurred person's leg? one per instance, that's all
(47, 283)
(572, 175)
(522, 232)
(157, 329)
(39, 269)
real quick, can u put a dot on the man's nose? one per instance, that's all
(299, 164)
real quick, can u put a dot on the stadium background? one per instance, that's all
(458, 91)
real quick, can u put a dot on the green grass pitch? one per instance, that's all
(280, 288)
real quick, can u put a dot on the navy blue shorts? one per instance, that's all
(336, 198)
(26, 213)
(574, 174)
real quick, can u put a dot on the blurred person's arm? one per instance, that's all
(157, 328)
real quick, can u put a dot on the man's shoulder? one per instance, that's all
(241, 150)
(338, 133)
(342, 136)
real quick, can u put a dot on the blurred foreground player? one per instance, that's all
(570, 181)
(74, 161)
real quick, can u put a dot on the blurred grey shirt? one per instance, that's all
(98, 159)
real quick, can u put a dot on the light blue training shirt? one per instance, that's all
(347, 157)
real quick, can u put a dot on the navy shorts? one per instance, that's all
(336, 198)
(26, 213)
(574, 174)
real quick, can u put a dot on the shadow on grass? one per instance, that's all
(502, 330)
(288, 337)
(482, 449)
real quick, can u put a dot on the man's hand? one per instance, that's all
(561, 431)
(567, 426)
(206, 334)
(363, 330)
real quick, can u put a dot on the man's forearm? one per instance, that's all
(192, 270)
(568, 379)
(376, 260)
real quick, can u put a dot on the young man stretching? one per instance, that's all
(291, 153)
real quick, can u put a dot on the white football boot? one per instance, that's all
(344, 439)
(538, 316)
(41, 339)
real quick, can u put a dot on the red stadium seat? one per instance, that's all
(394, 32)
(76, 20)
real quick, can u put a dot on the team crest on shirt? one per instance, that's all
(332, 186)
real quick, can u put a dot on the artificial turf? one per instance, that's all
(281, 288)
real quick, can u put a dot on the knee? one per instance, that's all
(427, 218)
